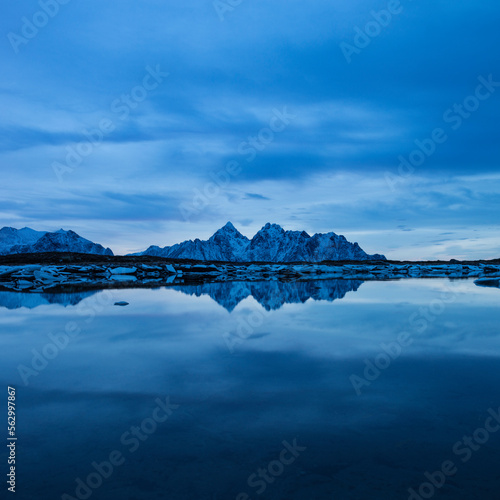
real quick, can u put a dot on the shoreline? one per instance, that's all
(62, 272)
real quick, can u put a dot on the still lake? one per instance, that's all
(310, 390)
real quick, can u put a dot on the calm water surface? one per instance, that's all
(256, 390)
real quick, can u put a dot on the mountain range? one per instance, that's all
(271, 244)
(28, 240)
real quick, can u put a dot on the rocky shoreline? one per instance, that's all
(38, 273)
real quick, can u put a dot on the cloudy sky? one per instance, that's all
(138, 123)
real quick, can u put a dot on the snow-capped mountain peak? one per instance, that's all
(26, 240)
(10, 236)
(228, 230)
(273, 228)
(228, 227)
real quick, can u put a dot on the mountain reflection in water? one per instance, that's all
(16, 300)
(272, 294)
(246, 381)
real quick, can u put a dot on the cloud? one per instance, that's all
(255, 196)
(323, 171)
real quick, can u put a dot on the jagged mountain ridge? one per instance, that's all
(223, 245)
(271, 244)
(26, 240)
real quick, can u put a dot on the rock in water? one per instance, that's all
(488, 282)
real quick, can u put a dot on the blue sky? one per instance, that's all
(138, 123)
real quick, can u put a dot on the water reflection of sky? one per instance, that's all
(288, 378)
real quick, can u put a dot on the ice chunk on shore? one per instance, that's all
(123, 270)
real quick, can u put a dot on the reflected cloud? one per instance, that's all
(292, 381)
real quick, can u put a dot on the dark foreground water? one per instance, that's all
(317, 390)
